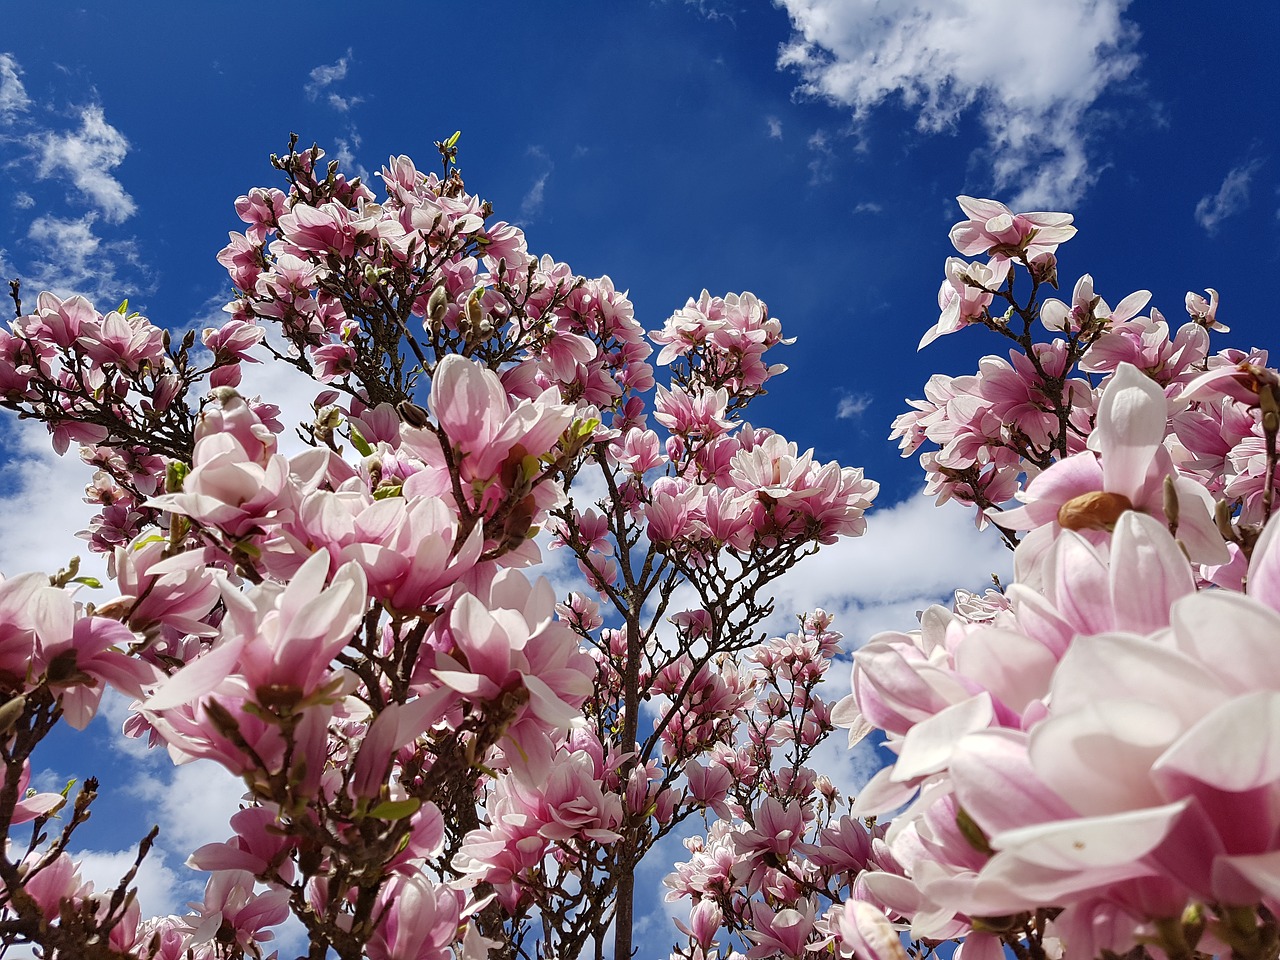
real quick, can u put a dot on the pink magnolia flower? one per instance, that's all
(130, 342)
(964, 295)
(784, 933)
(419, 920)
(861, 930)
(279, 642)
(1144, 342)
(509, 644)
(178, 591)
(995, 230)
(259, 842)
(1125, 469)
(34, 805)
(482, 423)
(233, 910)
(1087, 309)
(1205, 312)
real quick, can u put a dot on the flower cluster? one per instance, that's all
(438, 757)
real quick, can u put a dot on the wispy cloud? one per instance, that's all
(1033, 89)
(67, 256)
(323, 85)
(325, 75)
(1231, 198)
(13, 95)
(86, 157)
(775, 127)
(716, 9)
(852, 406)
(531, 203)
(823, 155)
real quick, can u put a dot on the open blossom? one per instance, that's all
(479, 419)
(1205, 312)
(994, 229)
(1125, 468)
(1144, 342)
(965, 295)
(1149, 768)
(278, 643)
(1087, 309)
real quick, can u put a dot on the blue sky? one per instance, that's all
(807, 150)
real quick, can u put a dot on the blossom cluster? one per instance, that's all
(438, 757)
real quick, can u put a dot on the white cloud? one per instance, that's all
(23, 200)
(69, 257)
(327, 74)
(343, 104)
(533, 200)
(531, 204)
(192, 803)
(39, 520)
(345, 154)
(868, 206)
(1031, 71)
(852, 405)
(161, 890)
(819, 144)
(1231, 198)
(86, 157)
(775, 127)
(13, 96)
(913, 554)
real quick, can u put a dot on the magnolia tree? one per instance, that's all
(443, 758)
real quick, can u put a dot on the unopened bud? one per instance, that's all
(436, 304)
(475, 313)
(11, 712)
(1171, 504)
(1269, 402)
(1222, 517)
(412, 414)
(328, 418)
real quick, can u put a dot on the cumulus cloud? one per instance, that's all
(913, 554)
(86, 157)
(161, 891)
(1231, 198)
(40, 517)
(1031, 72)
(67, 256)
(13, 95)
